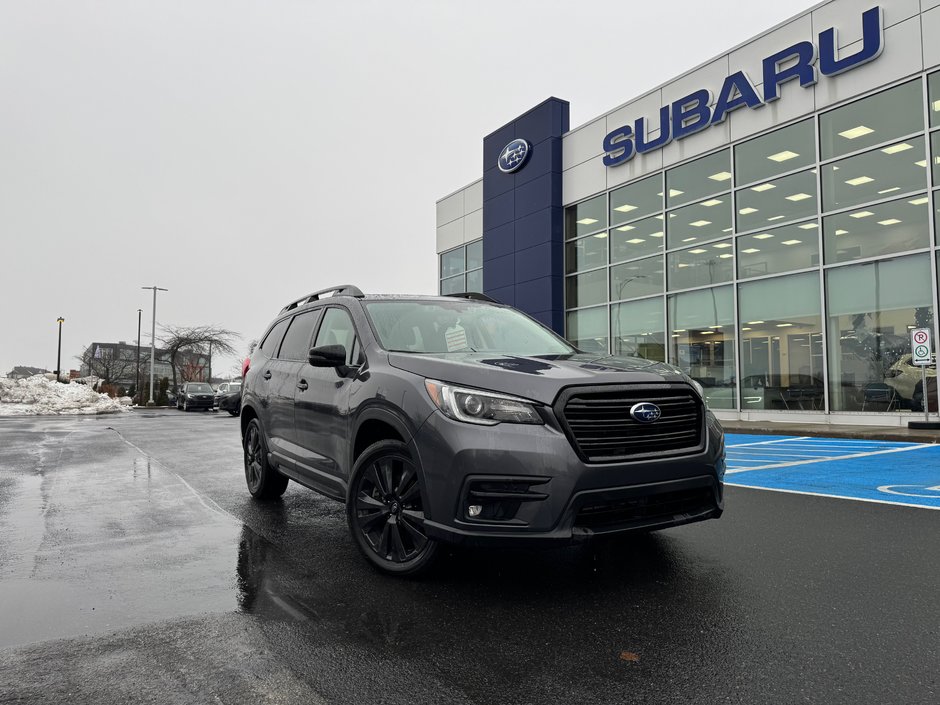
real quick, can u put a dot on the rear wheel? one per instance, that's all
(385, 510)
(264, 482)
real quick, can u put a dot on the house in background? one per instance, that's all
(23, 371)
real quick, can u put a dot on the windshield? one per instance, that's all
(460, 326)
(198, 388)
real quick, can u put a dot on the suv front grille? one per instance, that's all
(600, 426)
(664, 506)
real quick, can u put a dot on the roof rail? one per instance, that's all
(341, 290)
(473, 296)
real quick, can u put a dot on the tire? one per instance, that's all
(264, 482)
(186, 406)
(385, 510)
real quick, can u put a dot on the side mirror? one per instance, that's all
(327, 356)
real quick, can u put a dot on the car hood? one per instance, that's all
(536, 378)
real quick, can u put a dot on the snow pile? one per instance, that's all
(38, 395)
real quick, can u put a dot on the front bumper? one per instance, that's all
(533, 487)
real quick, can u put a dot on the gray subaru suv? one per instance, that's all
(456, 419)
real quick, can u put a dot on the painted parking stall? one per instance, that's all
(866, 470)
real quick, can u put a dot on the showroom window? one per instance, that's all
(701, 325)
(874, 120)
(781, 344)
(872, 307)
(637, 239)
(699, 222)
(462, 269)
(698, 179)
(587, 329)
(586, 253)
(933, 85)
(880, 229)
(778, 152)
(636, 200)
(586, 289)
(638, 329)
(881, 173)
(632, 280)
(587, 217)
(701, 266)
(778, 250)
(776, 201)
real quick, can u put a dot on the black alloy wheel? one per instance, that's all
(385, 510)
(264, 482)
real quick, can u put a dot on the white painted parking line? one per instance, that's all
(847, 456)
(835, 496)
(776, 440)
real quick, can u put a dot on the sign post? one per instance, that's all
(921, 347)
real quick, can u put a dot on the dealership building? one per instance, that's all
(766, 222)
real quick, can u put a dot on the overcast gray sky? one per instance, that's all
(243, 153)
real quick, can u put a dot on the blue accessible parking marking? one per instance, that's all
(870, 471)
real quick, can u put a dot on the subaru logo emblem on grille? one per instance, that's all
(644, 412)
(514, 156)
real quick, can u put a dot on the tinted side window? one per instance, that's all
(273, 339)
(296, 343)
(337, 329)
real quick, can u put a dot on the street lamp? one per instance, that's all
(137, 385)
(58, 359)
(153, 338)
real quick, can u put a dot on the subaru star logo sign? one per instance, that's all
(514, 156)
(644, 412)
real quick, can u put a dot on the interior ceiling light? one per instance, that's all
(762, 187)
(889, 190)
(750, 250)
(895, 148)
(792, 242)
(697, 251)
(919, 201)
(861, 214)
(712, 202)
(784, 325)
(678, 330)
(700, 223)
(659, 234)
(625, 228)
(722, 245)
(763, 236)
(746, 328)
(855, 132)
(859, 180)
(587, 221)
(777, 217)
(601, 235)
(842, 232)
(673, 192)
(682, 265)
(754, 323)
(660, 216)
(936, 106)
(706, 332)
(807, 226)
(636, 241)
(889, 221)
(922, 162)
(690, 239)
(748, 210)
(720, 176)
(625, 208)
(783, 156)
(725, 256)
(798, 197)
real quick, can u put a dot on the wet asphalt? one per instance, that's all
(134, 568)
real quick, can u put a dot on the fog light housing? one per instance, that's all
(474, 510)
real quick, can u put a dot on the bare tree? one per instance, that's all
(185, 344)
(111, 365)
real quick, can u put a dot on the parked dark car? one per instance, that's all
(225, 388)
(458, 420)
(232, 401)
(195, 395)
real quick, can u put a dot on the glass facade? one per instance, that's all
(461, 269)
(783, 272)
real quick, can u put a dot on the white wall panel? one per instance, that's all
(902, 57)
(705, 141)
(583, 144)
(709, 76)
(584, 180)
(795, 101)
(846, 16)
(930, 31)
(928, 4)
(450, 235)
(750, 57)
(647, 106)
(473, 197)
(450, 208)
(473, 226)
(640, 165)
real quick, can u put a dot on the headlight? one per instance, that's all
(478, 407)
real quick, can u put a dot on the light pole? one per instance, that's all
(153, 338)
(58, 359)
(137, 385)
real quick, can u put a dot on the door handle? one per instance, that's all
(302, 385)
(267, 374)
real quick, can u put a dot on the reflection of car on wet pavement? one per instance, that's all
(441, 419)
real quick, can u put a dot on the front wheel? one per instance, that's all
(385, 510)
(264, 482)
(185, 406)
